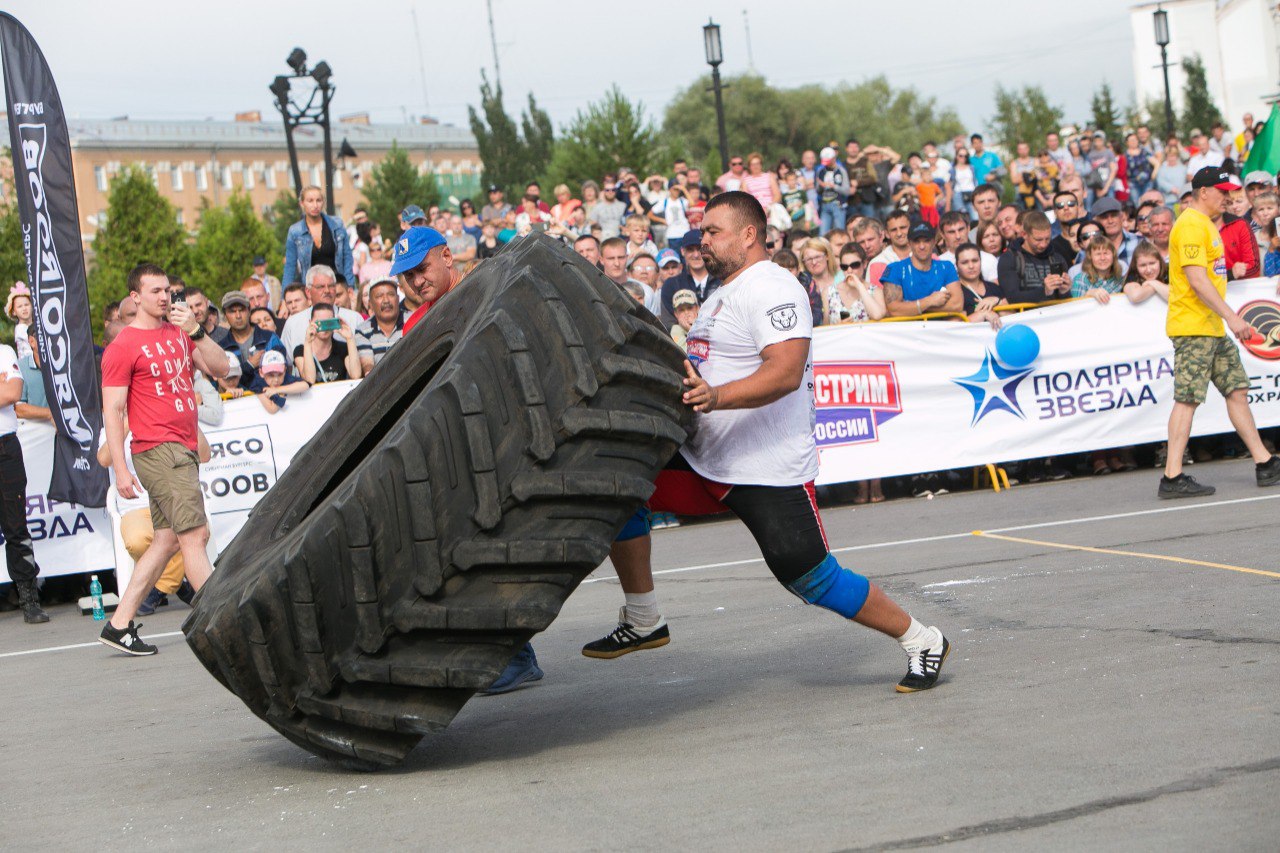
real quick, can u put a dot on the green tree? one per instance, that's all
(229, 237)
(510, 159)
(609, 133)
(13, 261)
(1106, 117)
(784, 122)
(1198, 109)
(393, 185)
(283, 213)
(141, 227)
(1023, 115)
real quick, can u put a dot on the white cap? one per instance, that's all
(827, 154)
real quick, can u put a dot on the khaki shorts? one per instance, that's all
(171, 475)
(1197, 359)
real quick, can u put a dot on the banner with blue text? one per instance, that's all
(905, 398)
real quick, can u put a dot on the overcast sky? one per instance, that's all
(184, 60)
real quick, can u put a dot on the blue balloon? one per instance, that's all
(1017, 345)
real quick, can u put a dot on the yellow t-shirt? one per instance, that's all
(1194, 242)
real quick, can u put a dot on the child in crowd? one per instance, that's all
(638, 242)
(1100, 274)
(1148, 274)
(684, 305)
(1266, 205)
(795, 199)
(273, 383)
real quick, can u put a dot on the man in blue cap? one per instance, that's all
(411, 217)
(423, 263)
(695, 277)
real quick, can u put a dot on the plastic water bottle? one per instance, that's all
(95, 591)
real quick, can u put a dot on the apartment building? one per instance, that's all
(194, 160)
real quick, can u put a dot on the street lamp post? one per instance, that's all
(1162, 39)
(711, 43)
(309, 113)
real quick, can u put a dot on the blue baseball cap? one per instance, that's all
(692, 238)
(413, 246)
(668, 256)
(412, 212)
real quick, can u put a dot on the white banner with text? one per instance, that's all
(250, 449)
(892, 399)
(905, 398)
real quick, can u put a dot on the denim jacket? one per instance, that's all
(297, 252)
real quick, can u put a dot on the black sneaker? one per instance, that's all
(1183, 486)
(923, 667)
(126, 640)
(1268, 473)
(186, 592)
(625, 639)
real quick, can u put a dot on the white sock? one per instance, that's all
(916, 637)
(642, 608)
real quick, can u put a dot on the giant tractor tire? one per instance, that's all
(442, 515)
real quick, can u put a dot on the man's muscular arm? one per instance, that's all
(781, 372)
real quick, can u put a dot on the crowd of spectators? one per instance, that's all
(956, 230)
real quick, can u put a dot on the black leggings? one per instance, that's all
(783, 519)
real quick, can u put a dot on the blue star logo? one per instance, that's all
(993, 387)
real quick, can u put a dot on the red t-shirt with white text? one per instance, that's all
(155, 365)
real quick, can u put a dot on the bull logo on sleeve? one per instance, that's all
(783, 317)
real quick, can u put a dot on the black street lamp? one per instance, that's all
(309, 113)
(711, 43)
(1162, 39)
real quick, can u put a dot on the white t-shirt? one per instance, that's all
(772, 445)
(20, 342)
(674, 211)
(124, 505)
(295, 328)
(8, 370)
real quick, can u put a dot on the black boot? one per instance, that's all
(29, 601)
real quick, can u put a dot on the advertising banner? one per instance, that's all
(905, 398)
(46, 194)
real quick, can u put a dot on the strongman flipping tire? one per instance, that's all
(750, 376)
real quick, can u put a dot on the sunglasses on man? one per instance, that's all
(1065, 205)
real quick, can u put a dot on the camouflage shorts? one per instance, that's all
(1200, 358)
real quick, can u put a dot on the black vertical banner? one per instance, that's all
(45, 187)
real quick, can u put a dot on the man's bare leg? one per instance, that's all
(1179, 434)
(145, 574)
(194, 556)
(1242, 419)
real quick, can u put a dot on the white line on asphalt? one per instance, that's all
(82, 645)
(968, 534)
(890, 544)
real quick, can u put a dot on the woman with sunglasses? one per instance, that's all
(850, 299)
(962, 184)
(470, 219)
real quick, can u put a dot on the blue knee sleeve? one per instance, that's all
(830, 585)
(636, 526)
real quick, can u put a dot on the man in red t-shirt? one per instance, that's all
(147, 373)
(425, 266)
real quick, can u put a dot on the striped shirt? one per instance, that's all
(372, 342)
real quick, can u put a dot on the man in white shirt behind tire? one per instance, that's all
(750, 379)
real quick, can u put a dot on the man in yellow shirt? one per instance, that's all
(1201, 349)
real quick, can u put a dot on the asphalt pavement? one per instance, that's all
(1112, 686)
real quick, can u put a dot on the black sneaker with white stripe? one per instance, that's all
(924, 665)
(627, 638)
(126, 640)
